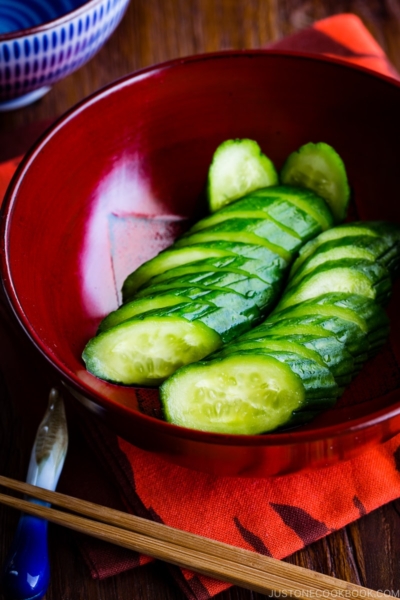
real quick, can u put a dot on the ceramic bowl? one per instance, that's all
(115, 179)
(42, 41)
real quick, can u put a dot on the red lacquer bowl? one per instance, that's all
(116, 178)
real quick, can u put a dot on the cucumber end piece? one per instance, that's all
(147, 351)
(245, 395)
(318, 167)
(238, 167)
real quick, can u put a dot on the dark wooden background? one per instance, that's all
(366, 552)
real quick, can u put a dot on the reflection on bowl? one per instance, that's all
(42, 41)
(113, 182)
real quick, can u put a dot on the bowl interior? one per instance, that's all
(120, 176)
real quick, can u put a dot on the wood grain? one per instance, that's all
(365, 553)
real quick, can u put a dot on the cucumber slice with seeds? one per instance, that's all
(145, 352)
(215, 397)
(323, 337)
(319, 168)
(237, 168)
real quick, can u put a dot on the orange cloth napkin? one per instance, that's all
(272, 516)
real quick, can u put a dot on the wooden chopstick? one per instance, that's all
(209, 557)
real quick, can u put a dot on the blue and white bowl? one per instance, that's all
(42, 41)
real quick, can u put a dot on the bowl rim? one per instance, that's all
(46, 25)
(289, 438)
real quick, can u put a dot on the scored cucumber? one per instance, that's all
(238, 167)
(306, 200)
(167, 259)
(382, 235)
(226, 272)
(326, 325)
(319, 167)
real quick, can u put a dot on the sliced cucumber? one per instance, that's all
(250, 286)
(243, 237)
(266, 343)
(348, 275)
(324, 328)
(384, 236)
(167, 260)
(364, 312)
(236, 303)
(361, 247)
(306, 200)
(278, 207)
(326, 349)
(239, 264)
(145, 352)
(273, 229)
(137, 307)
(268, 229)
(248, 231)
(237, 168)
(318, 167)
(239, 395)
(346, 331)
(246, 393)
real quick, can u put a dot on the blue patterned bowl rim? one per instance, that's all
(50, 24)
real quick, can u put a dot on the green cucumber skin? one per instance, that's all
(227, 323)
(387, 234)
(367, 311)
(164, 261)
(329, 349)
(279, 209)
(304, 199)
(130, 309)
(216, 296)
(266, 229)
(240, 264)
(251, 287)
(346, 332)
(342, 328)
(276, 264)
(375, 249)
(376, 275)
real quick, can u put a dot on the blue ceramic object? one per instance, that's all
(42, 41)
(26, 571)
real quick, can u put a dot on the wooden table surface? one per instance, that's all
(366, 552)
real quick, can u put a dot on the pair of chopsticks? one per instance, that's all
(209, 557)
